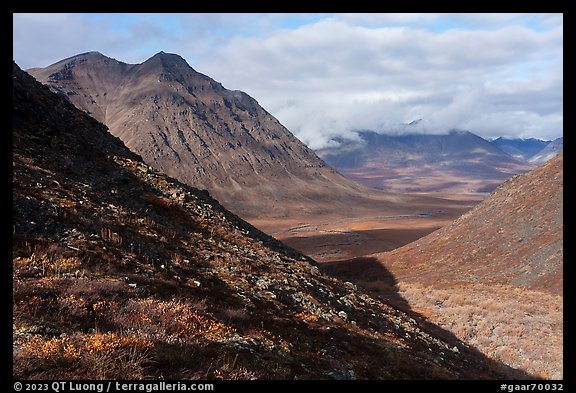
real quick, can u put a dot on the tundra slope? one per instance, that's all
(120, 271)
(513, 237)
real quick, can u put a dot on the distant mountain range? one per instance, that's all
(551, 150)
(532, 150)
(459, 161)
(520, 148)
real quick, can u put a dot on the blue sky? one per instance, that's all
(327, 75)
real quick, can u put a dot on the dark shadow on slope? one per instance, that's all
(369, 274)
(354, 244)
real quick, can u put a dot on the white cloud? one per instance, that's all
(328, 75)
(62, 30)
(331, 77)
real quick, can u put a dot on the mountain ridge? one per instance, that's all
(186, 124)
(520, 148)
(459, 161)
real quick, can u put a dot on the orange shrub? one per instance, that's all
(97, 356)
(170, 320)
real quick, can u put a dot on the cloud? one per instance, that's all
(60, 33)
(330, 75)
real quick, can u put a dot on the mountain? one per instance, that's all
(459, 161)
(190, 127)
(121, 272)
(519, 148)
(550, 151)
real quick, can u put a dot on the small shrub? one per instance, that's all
(46, 265)
(306, 316)
(96, 356)
(74, 306)
(226, 368)
(66, 203)
(170, 321)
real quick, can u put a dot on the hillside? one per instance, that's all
(494, 277)
(457, 162)
(519, 148)
(120, 271)
(550, 151)
(514, 236)
(187, 125)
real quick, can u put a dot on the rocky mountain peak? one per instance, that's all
(64, 68)
(190, 127)
(168, 61)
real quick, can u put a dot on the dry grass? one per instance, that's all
(84, 356)
(518, 327)
(170, 321)
(226, 368)
(43, 259)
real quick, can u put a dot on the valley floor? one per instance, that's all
(345, 235)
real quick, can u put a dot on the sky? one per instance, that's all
(331, 75)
